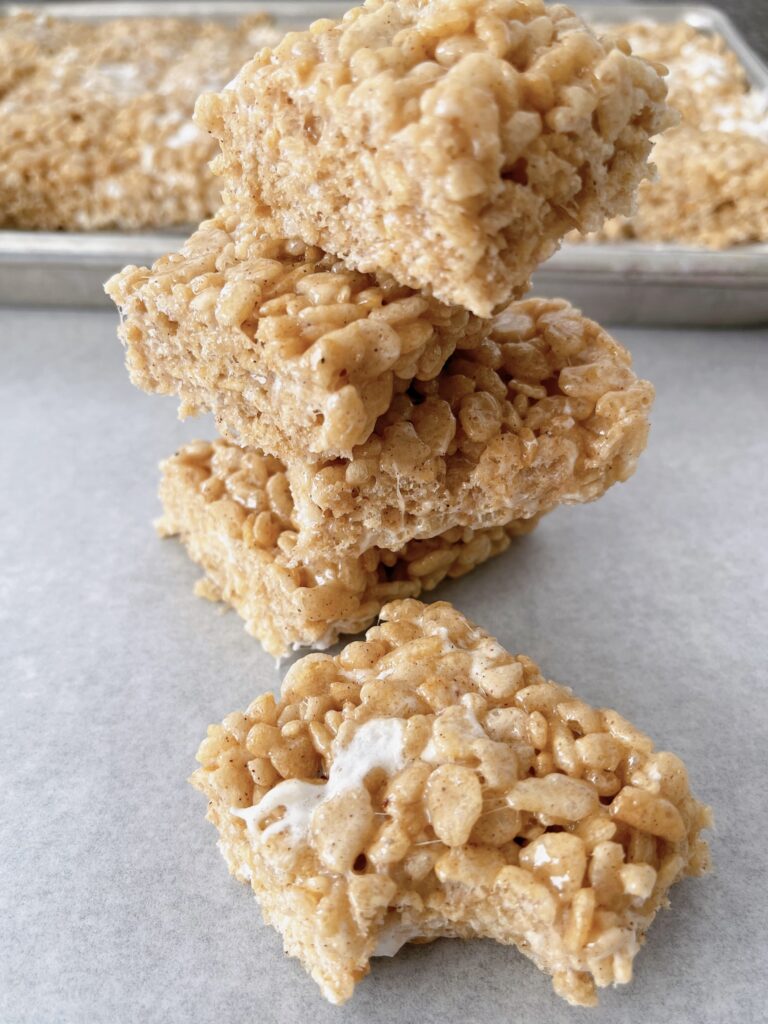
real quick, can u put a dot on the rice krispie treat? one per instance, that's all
(451, 143)
(95, 118)
(712, 183)
(290, 351)
(233, 511)
(425, 783)
(545, 411)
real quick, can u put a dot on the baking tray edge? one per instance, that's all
(616, 282)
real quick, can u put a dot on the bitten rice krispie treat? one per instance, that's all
(543, 412)
(452, 143)
(233, 511)
(95, 118)
(712, 183)
(292, 352)
(425, 783)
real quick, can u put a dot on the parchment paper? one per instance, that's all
(116, 905)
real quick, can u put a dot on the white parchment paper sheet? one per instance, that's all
(116, 905)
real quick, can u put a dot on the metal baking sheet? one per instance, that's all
(657, 283)
(628, 282)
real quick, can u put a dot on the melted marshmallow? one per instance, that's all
(378, 743)
(298, 800)
(393, 936)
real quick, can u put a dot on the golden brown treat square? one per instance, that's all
(233, 511)
(426, 783)
(292, 352)
(544, 411)
(451, 143)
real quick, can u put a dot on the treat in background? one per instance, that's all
(96, 125)
(711, 189)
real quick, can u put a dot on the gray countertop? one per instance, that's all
(116, 904)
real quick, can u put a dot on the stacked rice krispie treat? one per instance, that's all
(392, 410)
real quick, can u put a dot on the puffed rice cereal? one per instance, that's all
(291, 351)
(425, 783)
(451, 143)
(234, 513)
(543, 412)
